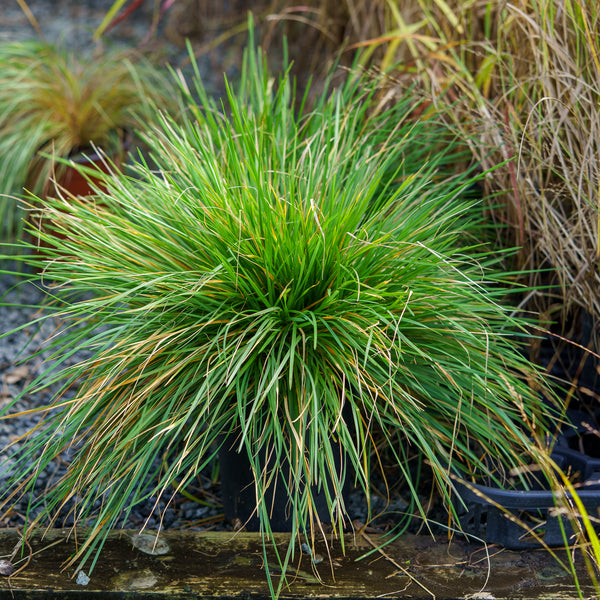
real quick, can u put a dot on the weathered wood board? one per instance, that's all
(225, 565)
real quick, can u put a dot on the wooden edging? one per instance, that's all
(215, 565)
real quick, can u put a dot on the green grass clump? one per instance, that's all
(296, 279)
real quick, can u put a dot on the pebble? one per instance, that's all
(6, 568)
(150, 543)
(82, 578)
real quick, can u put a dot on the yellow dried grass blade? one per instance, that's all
(112, 11)
(592, 535)
(30, 17)
(449, 14)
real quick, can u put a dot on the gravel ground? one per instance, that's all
(73, 22)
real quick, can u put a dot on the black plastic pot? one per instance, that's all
(239, 494)
(497, 516)
(491, 513)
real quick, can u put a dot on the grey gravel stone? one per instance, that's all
(82, 578)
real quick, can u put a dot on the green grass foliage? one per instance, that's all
(297, 279)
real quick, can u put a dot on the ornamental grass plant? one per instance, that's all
(522, 78)
(537, 86)
(56, 104)
(524, 81)
(294, 279)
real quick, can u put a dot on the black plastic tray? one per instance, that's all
(500, 516)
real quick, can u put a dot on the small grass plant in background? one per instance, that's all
(291, 278)
(56, 104)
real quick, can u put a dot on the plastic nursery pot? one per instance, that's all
(491, 511)
(239, 495)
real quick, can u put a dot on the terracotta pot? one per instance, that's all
(73, 182)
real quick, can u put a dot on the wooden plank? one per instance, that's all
(225, 565)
